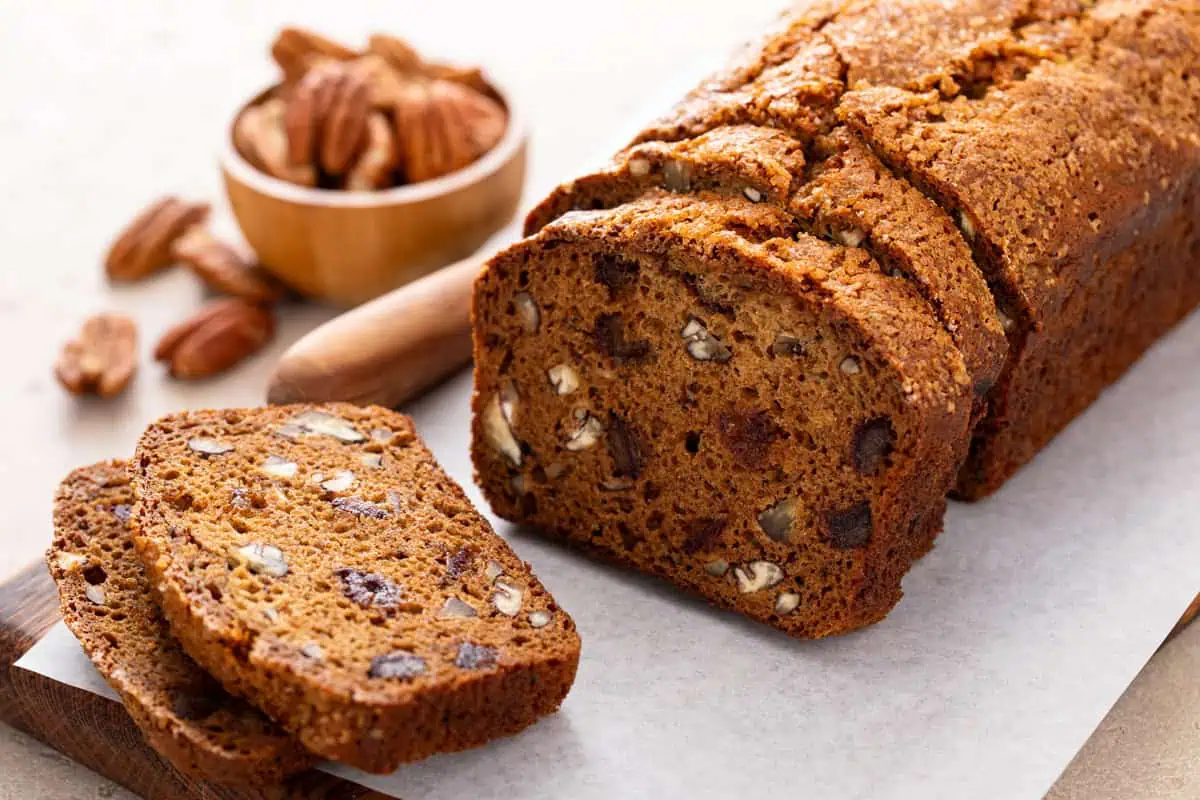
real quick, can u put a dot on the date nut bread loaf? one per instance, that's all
(184, 714)
(691, 386)
(317, 561)
(1029, 168)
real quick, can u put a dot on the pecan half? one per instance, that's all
(261, 138)
(385, 82)
(220, 335)
(403, 59)
(296, 50)
(442, 126)
(379, 157)
(326, 117)
(399, 54)
(102, 360)
(223, 268)
(144, 247)
(307, 106)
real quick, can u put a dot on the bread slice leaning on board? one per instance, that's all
(1025, 174)
(107, 603)
(318, 562)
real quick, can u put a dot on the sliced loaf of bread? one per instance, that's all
(184, 714)
(319, 562)
(694, 386)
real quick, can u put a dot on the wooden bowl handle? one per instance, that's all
(388, 350)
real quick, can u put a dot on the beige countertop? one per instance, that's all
(108, 105)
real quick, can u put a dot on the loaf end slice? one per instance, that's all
(691, 386)
(106, 602)
(318, 561)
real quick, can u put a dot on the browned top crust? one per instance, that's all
(839, 191)
(1053, 169)
(402, 624)
(106, 602)
(729, 231)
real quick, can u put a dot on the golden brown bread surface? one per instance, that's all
(690, 386)
(317, 561)
(1030, 168)
(106, 602)
(1008, 116)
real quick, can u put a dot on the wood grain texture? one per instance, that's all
(96, 731)
(386, 351)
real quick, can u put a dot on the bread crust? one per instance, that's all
(348, 703)
(724, 262)
(223, 741)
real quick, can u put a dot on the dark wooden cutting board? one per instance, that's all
(96, 731)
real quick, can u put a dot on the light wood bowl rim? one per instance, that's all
(508, 148)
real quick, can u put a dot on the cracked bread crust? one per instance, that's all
(754, 414)
(1010, 116)
(106, 602)
(843, 194)
(400, 624)
(1066, 175)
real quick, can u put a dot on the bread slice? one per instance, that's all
(319, 562)
(693, 386)
(838, 191)
(184, 714)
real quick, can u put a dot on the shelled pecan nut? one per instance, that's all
(379, 157)
(262, 140)
(223, 333)
(144, 247)
(296, 50)
(326, 117)
(223, 268)
(442, 126)
(399, 54)
(102, 360)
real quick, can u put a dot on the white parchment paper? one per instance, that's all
(1016, 635)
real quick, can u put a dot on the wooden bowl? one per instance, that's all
(349, 247)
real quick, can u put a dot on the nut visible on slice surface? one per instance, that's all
(223, 268)
(702, 345)
(527, 310)
(102, 360)
(777, 520)
(209, 447)
(455, 607)
(280, 467)
(563, 378)
(144, 247)
(265, 559)
(588, 431)
(507, 598)
(497, 424)
(757, 576)
(786, 602)
(319, 423)
(223, 333)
